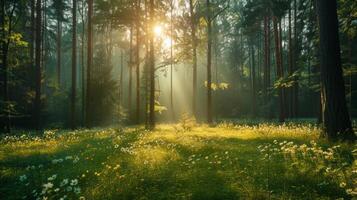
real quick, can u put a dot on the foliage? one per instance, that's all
(187, 122)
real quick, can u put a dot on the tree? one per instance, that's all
(336, 120)
(210, 17)
(193, 22)
(279, 68)
(89, 62)
(130, 85)
(74, 64)
(137, 61)
(59, 8)
(152, 68)
(37, 108)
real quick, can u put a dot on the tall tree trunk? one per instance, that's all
(253, 81)
(59, 49)
(152, 69)
(89, 63)
(336, 119)
(295, 68)
(290, 90)
(33, 32)
(121, 82)
(171, 63)
(278, 69)
(5, 49)
(130, 85)
(147, 65)
(74, 65)
(194, 59)
(83, 67)
(209, 64)
(37, 106)
(138, 63)
(266, 55)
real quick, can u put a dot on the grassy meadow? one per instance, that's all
(178, 162)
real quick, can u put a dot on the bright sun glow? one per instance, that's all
(167, 42)
(158, 30)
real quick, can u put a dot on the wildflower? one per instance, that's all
(64, 197)
(64, 182)
(23, 178)
(53, 177)
(56, 190)
(342, 184)
(116, 146)
(77, 190)
(48, 185)
(69, 188)
(82, 198)
(68, 158)
(76, 159)
(74, 182)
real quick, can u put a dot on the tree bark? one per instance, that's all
(59, 49)
(37, 103)
(278, 69)
(266, 55)
(138, 64)
(4, 58)
(89, 63)
(152, 69)
(253, 81)
(74, 65)
(130, 85)
(290, 69)
(194, 59)
(336, 120)
(209, 64)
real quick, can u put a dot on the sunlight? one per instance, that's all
(168, 42)
(158, 31)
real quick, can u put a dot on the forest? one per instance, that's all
(178, 99)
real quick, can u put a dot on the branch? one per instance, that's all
(221, 11)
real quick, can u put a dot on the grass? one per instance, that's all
(174, 162)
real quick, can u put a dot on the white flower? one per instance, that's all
(77, 190)
(23, 178)
(342, 184)
(56, 190)
(68, 158)
(74, 182)
(76, 159)
(64, 197)
(48, 185)
(82, 198)
(64, 182)
(69, 188)
(53, 177)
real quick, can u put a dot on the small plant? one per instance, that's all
(187, 122)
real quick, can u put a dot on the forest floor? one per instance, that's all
(178, 162)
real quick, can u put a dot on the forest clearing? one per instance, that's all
(178, 162)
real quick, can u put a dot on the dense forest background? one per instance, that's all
(62, 68)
